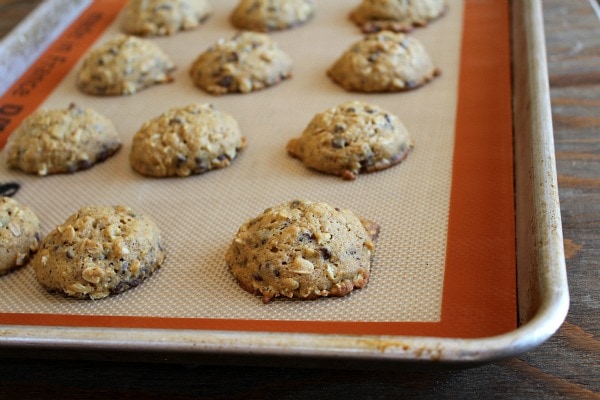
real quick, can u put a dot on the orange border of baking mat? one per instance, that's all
(29, 91)
(479, 295)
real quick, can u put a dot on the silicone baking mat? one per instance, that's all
(445, 260)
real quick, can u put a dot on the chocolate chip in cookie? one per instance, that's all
(271, 15)
(352, 138)
(384, 62)
(186, 141)
(20, 234)
(302, 250)
(124, 65)
(62, 141)
(99, 251)
(397, 16)
(247, 62)
(163, 17)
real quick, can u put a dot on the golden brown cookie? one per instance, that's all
(124, 65)
(62, 141)
(302, 250)
(19, 234)
(352, 138)
(163, 17)
(394, 15)
(271, 15)
(384, 62)
(247, 62)
(99, 251)
(186, 141)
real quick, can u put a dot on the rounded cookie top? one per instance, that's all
(271, 15)
(19, 234)
(163, 17)
(394, 15)
(99, 251)
(247, 62)
(303, 250)
(383, 62)
(352, 138)
(124, 65)
(62, 141)
(186, 141)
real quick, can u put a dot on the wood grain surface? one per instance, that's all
(12, 12)
(566, 366)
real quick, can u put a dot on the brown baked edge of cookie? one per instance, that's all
(374, 26)
(409, 85)
(82, 165)
(265, 28)
(222, 87)
(348, 175)
(112, 92)
(225, 161)
(394, 160)
(340, 290)
(20, 263)
(147, 33)
(148, 270)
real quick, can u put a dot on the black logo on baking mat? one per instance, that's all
(9, 189)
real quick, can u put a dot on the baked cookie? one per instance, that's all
(247, 62)
(186, 141)
(124, 65)
(99, 251)
(384, 62)
(302, 250)
(271, 15)
(163, 17)
(19, 234)
(62, 141)
(394, 15)
(350, 139)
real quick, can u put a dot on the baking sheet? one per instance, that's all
(200, 214)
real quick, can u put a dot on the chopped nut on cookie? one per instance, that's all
(383, 62)
(99, 251)
(278, 253)
(124, 65)
(163, 17)
(19, 234)
(398, 16)
(62, 141)
(271, 15)
(247, 62)
(186, 141)
(350, 139)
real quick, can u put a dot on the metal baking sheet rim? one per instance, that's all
(542, 284)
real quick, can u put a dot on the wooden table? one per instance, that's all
(566, 366)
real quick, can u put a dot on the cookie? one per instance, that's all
(247, 62)
(20, 234)
(384, 62)
(61, 141)
(302, 250)
(394, 15)
(124, 65)
(186, 141)
(350, 139)
(99, 251)
(163, 17)
(271, 15)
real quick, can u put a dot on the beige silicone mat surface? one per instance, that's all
(199, 215)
